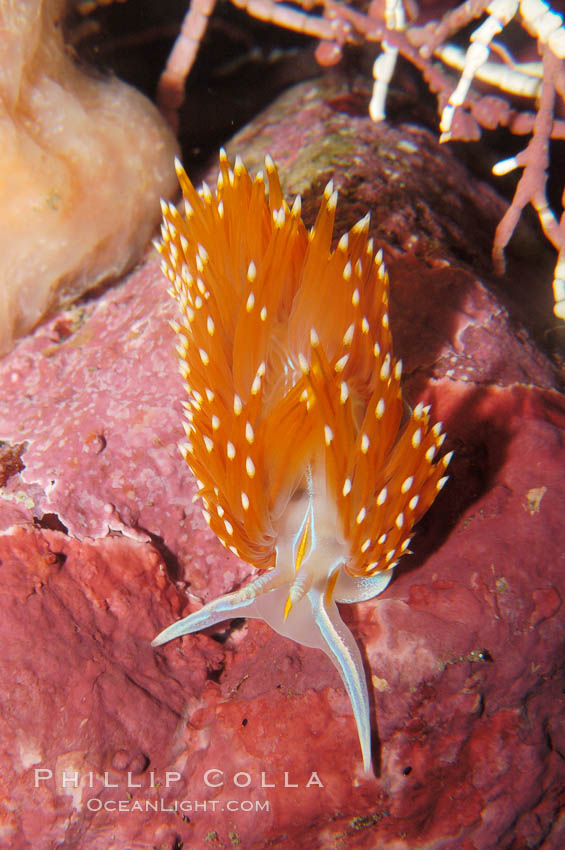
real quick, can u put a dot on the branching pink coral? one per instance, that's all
(464, 110)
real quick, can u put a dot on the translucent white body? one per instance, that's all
(308, 540)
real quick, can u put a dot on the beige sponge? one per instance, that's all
(83, 162)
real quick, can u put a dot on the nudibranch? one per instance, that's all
(309, 464)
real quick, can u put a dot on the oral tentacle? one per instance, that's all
(226, 607)
(341, 647)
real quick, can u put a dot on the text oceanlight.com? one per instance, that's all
(95, 804)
